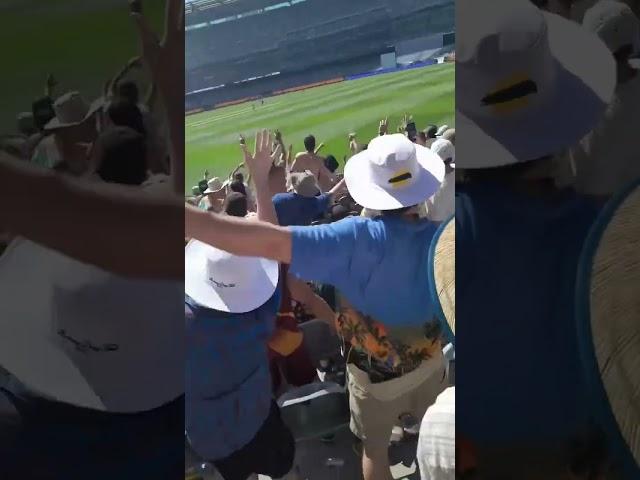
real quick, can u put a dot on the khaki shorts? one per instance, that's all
(376, 408)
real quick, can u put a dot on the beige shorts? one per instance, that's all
(376, 408)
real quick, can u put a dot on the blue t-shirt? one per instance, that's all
(228, 384)
(294, 209)
(379, 267)
(518, 374)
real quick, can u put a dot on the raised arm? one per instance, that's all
(135, 62)
(165, 60)
(259, 165)
(123, 230)
(238, 235)
(317, 305)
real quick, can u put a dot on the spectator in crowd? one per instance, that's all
(231, 303)
(121, 156)
(123, 113)
(310, 160)
(441, 130)
(331, 163)
(442, 205)
(450, 135)
(74, 121)
(519, 237)
(430, 132)
(305, 203)
(391, 374)
(213, 193)
(437, 442)
(235, 205)
(231, 418)
(238, 186)
(606, 159)
(421, 139)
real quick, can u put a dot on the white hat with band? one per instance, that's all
(529, 83)
(393, 173)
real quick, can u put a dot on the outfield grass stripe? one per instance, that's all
(356, 97)
(329, 112)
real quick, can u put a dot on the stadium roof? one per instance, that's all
(223, 7)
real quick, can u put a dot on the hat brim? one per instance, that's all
(247, 299)
(27, 349)
(442, 276)
(584, 87)
(55, 124)
(608, 328)
(367, 193)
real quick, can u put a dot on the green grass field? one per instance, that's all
(82, 43)
(329, 112)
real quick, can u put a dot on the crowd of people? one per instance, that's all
(349, 249)
(95, 382)
(290, 239)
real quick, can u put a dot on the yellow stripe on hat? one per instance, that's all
(400, 178)
(510, 95)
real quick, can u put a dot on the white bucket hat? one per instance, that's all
(529, 83)
(228, 283)
(616, 24)
(442, 275)
(85, 337)
(608, 316)
(393, 173)
(72, 110)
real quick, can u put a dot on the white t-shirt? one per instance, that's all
(608, 158)
(437, 442)
(443, 204)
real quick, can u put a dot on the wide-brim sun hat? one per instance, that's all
(227, 283)
(214, 185)
(608, 317)
(393, 173)
(617, 25)
(530, 83)
(71, 111)
(442, 276)
(79, 335)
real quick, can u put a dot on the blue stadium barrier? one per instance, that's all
(391, 70)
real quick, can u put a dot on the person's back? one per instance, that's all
(516, 260)
(231, 419)
(313, 162)
(226, 371)
(394, 241)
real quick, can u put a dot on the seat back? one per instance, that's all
(315, 410)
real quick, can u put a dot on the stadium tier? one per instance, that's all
(239, 49)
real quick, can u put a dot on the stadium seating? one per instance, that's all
(323, 38)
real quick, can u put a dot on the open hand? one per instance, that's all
(259, 164)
